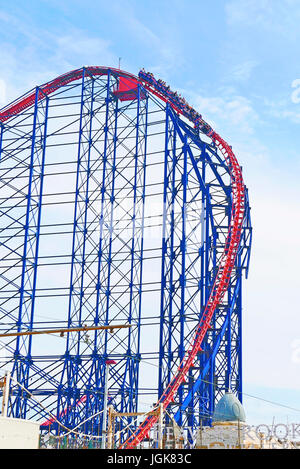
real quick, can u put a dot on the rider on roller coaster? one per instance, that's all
(178, 101)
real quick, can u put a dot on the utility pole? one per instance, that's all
(160, 426)
(110, 427)
(239, 435)
(108, 363)
(199, 440)
(6, 385)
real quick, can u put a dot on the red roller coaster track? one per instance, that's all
(228, 258)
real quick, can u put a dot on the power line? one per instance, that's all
(209, 382)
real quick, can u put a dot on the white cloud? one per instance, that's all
(287, 108)
(234, 109)
(85, 50)
(295, 96)
(167, 49)
(243, 71)
(2, 92)
(42, 55)
(271, 292)
(293, 116)
(277, 16)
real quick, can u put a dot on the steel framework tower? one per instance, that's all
(114, 210)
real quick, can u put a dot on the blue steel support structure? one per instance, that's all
(73, 170)
(219, 367)
(34, 158)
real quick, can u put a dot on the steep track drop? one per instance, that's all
(217, 293)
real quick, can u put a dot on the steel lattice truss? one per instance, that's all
(85, 179)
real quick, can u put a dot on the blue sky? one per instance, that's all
(237, 62)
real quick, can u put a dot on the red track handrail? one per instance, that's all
(228, 258)
(48, 88)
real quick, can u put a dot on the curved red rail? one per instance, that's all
(228, 258)
(29, 99)
(217, 293)
(51, 420)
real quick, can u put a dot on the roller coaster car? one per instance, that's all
(205, 128)
(128, 90)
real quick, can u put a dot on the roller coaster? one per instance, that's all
(91, 164)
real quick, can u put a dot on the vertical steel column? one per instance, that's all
(21, 367)
(183, 247)
(135, 273)
(234, 356)
(173, 251)
(99, 353)
(136, 264)
(239, 379)
(101, 311)
(1, 138)
(102, 283)
(135, 382)
(78, 261)
(164, 256)
(203, 394)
